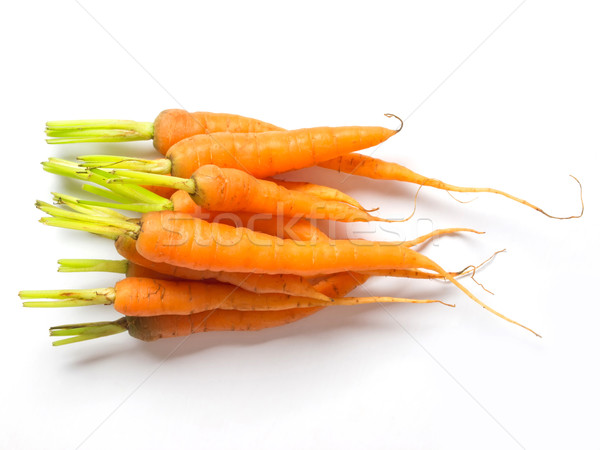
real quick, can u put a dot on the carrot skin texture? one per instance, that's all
(174, 125)
(273, 152)
(158, 327)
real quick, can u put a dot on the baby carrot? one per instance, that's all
(181, 240)
(169, 127)
(259, 154)
(256, 282)
(222, 189)
(150, 297)
(157, 327)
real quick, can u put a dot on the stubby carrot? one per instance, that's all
(169, 127)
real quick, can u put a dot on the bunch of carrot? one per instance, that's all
(218, 244)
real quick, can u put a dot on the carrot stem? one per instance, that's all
(93, 265)
(100, 177)
(73, 203)
(106, 231)
(140, 178)
(73, 131)
(62, 213)
(69, 297)
(158, 166)
(86, 331)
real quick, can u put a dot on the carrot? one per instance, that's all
(157, 327)
(259, 154)
(367, 166)
(169, 127)
(212, 188)
(143, 297)
(222, 189)
(257, 282)
(180, 240)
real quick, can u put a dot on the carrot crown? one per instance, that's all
(72, 131)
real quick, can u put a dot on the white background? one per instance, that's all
(494, 93)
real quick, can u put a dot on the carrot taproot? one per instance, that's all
(157, 327)
(181, 240)
(169, 127)
(367, 166)
(143, 297)
(260, 154)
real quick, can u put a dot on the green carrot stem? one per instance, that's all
(137, 207)
(93, 265)
(72, 131)
(86, 331)
(106, 231)
(100, 177)
(104, 193)
(66, 303)
(133, 177)
(62, 213)
(103, 295)
(158, 166)
(75, 205)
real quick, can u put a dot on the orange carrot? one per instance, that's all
(158, 327)
(197, 244)
(180, 240)
(143, 297)
(221, 189)
(255, 282)
(259, 154)
(169, 127)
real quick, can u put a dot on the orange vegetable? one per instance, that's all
(143, 297)
(157, 327)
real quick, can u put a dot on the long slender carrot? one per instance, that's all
(222, 189)
(181, 240)
(150, 297)
(260, 154)
(213, 189)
